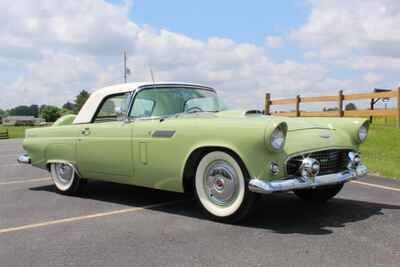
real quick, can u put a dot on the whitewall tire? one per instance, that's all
(65, 178)
(221, 187)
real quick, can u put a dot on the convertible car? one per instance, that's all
(179, 137)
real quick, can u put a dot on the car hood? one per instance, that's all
(294, 124)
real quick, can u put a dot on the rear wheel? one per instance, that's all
(221, 188)
(66, 179)
(320, 194)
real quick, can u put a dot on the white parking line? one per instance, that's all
(10, 153)
(84, 217)
(377, 186)
(10, 164)
(26, 181)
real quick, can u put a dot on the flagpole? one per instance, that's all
(125, 66)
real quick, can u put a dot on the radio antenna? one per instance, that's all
(152, 76)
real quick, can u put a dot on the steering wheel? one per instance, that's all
(193, 109)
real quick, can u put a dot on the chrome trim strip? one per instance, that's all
(177, 85)
(268, 187)
(24, 159)
(163, 133)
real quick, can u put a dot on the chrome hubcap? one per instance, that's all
(65, 173)
(221, 183)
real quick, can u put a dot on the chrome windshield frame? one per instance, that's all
(161, 86)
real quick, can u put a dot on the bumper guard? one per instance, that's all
(268, 187)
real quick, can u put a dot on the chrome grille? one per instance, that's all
(331, 161)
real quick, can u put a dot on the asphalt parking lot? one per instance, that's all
(119, 225)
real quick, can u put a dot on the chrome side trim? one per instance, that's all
(163, 133)
(268, 187)
(24, 159)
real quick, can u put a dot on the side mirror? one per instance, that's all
(120, 113)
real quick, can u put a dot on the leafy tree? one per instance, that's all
(50, 113)
(34, 110)
(2, 113)
(65, 111)
(350, 106)
(68, 106)
(80, 100)
(24, 111)
(19, 111)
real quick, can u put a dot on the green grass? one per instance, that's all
(385, 121)
(15, 131)
(381, 151)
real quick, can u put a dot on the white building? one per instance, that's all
(21, 120)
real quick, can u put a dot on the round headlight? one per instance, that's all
(278, 138)
(362, 133)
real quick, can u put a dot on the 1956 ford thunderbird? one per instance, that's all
(178, 137)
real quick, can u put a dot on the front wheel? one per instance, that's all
(221, 188)
(66, 179)
(319, 195)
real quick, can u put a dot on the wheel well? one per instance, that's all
(189, 172)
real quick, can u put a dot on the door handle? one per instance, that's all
(85, 131)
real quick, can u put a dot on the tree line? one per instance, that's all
(349, 106)
(48, 112)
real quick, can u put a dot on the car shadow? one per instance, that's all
(281, 213)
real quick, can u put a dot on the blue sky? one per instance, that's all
(237, 20)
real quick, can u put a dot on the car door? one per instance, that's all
(104, 147)
(154, 142)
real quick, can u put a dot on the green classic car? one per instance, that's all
(179, 137)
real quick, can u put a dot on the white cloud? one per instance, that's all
(49, 50)
(273, 41)
(373, 78)
(352, 29)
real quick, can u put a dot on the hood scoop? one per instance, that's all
(299, 124)
(240, 113)
(252, 112)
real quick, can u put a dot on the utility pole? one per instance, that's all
(125, 66)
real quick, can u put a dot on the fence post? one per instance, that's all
(267, 106)
(340, 104)
(298, 99)
(371, 118)
(398, 107)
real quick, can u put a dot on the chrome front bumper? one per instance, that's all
(267, 187)
(24, 158)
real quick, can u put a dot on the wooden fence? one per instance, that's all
(4, 134)
(339, 98)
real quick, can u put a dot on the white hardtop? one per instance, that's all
(88, 110)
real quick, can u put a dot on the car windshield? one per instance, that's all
(157, 102)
